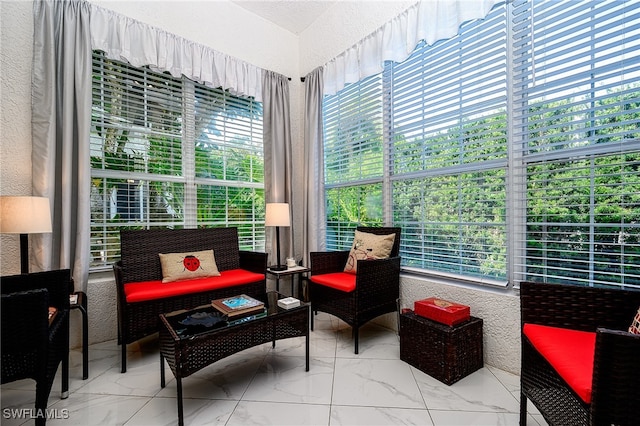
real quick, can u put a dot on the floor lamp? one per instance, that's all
(277, 214)
(24, 216)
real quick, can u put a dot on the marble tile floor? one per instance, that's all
(268, 386)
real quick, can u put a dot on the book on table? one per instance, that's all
(238, 306)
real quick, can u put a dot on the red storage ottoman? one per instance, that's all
(442, 311)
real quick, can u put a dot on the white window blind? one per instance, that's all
(576, 73)
(353, 157)
(167, 152)
(449, 152)
(229, 164)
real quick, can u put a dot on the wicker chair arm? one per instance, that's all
(326, 262)
(615, 396)
(58, 283)
(253, 261)
(117, 272)
(378, 279)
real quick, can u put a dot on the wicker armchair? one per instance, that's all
(377, 285)
(614, 391)
(32, 345)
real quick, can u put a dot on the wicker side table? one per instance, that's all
(443, 352)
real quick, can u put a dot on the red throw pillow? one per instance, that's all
(635, 324)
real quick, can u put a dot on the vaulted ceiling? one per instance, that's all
(291, 15)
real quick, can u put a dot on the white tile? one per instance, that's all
(343, 415)
(480, 391)
(475, 418)
(164, 411)
(139, 380)
(324, 321)
(375, 342)
(284, 379)
(321, 344)
(375, 382)
(509, 380)
(538, 418)
(228, 378)
(261, 413)
(93, 409)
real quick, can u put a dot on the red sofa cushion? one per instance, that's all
(342, 281)
(570, 352)
(151, 290)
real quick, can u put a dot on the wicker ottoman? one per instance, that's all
(443, 352)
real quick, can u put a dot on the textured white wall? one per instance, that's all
(343, 25)
(232, 30)
(16, 50)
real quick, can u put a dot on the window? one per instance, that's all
(169, 152)
(510, 152)
(577, 97)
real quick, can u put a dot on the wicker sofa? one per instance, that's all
(556, 368)
(141, 294)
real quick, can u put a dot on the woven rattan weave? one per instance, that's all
(608, 312)
(186, 354)
(140, 262)
(443, 352)
(31, 347)
(377, 285)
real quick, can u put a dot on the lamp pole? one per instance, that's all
(24, 253)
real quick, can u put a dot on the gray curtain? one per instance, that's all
(61, 117)
(313, 238)
(277, 157)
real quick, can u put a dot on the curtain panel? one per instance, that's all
(61, 116)
(428, 20)
(278, 161)
(313, 207)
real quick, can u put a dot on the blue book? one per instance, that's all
(236, 305)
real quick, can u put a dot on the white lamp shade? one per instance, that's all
(24, 215)
(277, 214)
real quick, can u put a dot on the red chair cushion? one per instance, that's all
(570, 352)
(151, 290)
(342, 281)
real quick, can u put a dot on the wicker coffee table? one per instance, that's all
(187, 353)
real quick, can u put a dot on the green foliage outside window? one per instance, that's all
(583, 211)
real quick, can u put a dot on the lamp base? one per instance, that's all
(278, 267)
